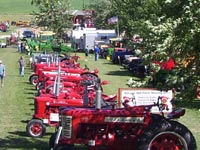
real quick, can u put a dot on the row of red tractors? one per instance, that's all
(60, 82)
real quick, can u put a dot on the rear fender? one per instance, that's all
(176, 113)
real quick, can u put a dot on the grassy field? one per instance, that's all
(24, 7)
(16, 102)
(16, 97)
(15, 10)
(10, 7)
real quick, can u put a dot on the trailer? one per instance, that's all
(82, 37)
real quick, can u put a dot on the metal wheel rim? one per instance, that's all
(168, 141)
(36, 129)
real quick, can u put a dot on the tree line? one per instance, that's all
(169, 28)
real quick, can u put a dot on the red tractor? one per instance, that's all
(128, 128)
(52, 69)
(3, 27)
(69, 81)
(47, 104)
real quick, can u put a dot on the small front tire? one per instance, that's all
(34, 80)
(35, 128)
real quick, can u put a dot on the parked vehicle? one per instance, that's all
(135, 65)
(68, 66)
(22, 23)
(3, 43)
(118, 55)
(28, 34)
(3, 27)
(47, 105)
(89, 37)
(128, 128)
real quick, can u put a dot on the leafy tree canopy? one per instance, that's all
(169, 28)
(53, 14)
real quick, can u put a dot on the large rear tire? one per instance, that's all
(35, 128)
(89, 76)
(167, 135)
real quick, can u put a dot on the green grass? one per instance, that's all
(24, 7)
(15, 7)
(16, 102)
(15, 10)
(16, 97)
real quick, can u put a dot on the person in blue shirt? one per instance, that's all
(2, 72)
(96, 52)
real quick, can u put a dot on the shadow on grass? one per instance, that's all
(27, 82)
(119, 73)
(31, 98)
(25, 121)
(30, 88)
(109, 63)
(23, 143)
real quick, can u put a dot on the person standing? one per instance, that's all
(19, 46)
(96, 53)
(21, 64)
(2, 72)
(86, 53)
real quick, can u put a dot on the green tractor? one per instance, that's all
(45, 40)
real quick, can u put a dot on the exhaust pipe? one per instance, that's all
(98, 94)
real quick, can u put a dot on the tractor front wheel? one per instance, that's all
(35, 128)
(34, 80)
(167, 135)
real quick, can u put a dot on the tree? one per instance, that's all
(185, 43)
(133, 14)
(53, 14)
(178, 32)
(168, 28)
(102, 9)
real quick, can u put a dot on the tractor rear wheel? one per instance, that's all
(89, 76)
(167, 135)
(35, 128)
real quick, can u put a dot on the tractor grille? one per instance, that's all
(67, 126)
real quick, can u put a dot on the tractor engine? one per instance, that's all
(111, 128)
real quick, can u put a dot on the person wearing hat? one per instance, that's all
(2, 72)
